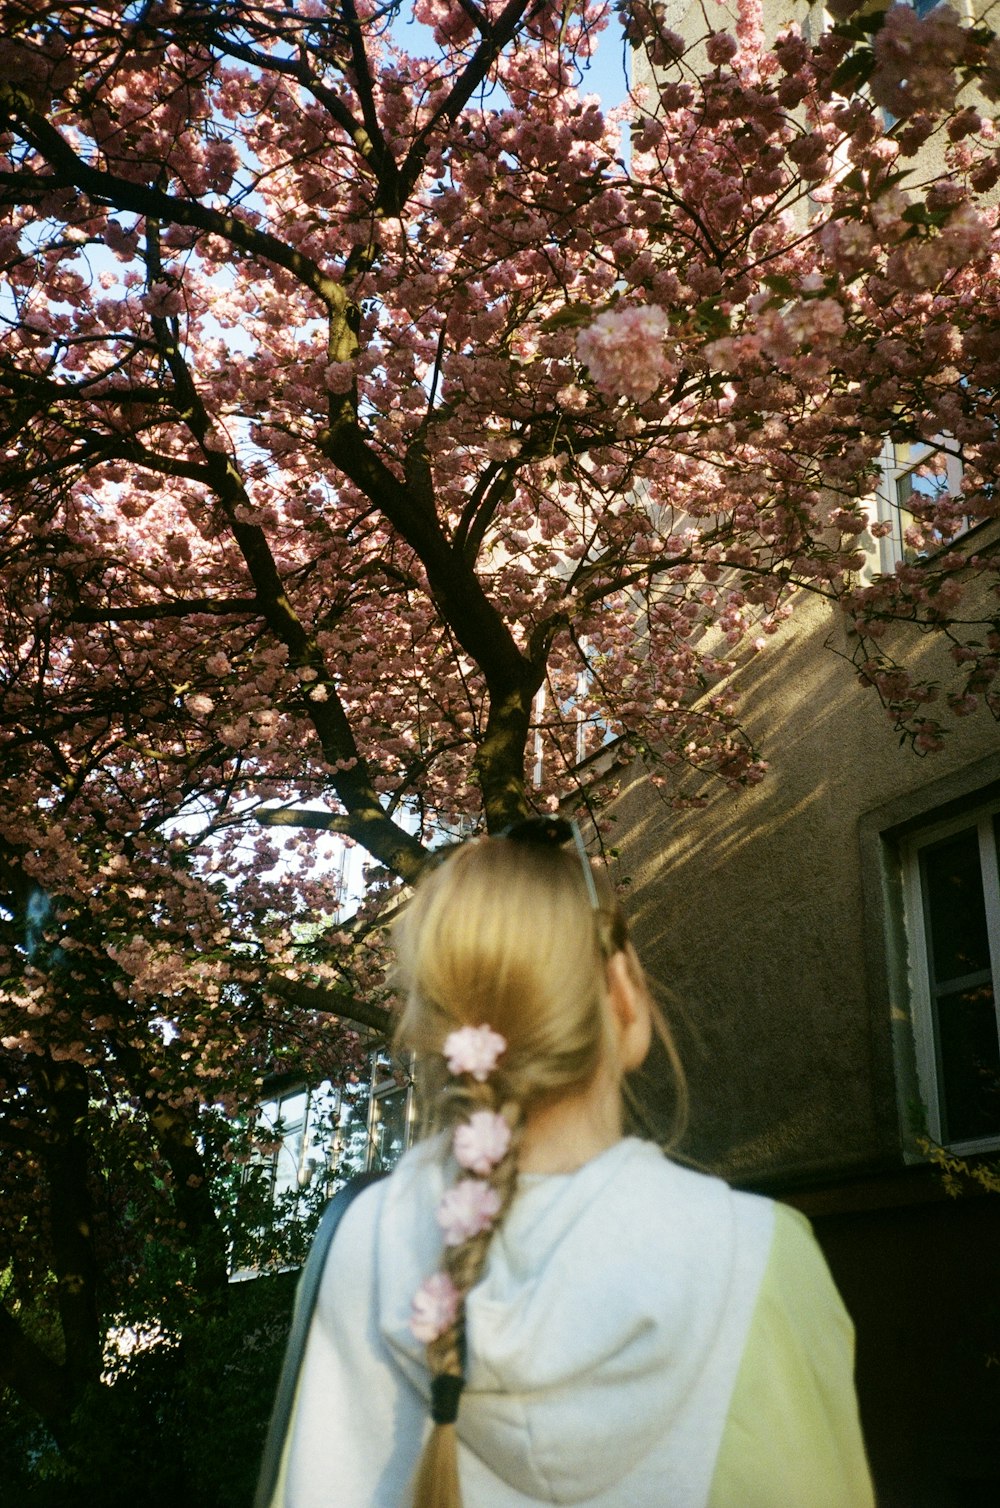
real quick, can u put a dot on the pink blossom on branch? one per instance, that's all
(721, 47)
(624, 352)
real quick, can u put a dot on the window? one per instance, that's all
(911, 472)
(380, 1126)
(329, 1134)
(295, 1128)
(952, 906)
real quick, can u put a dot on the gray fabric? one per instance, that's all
(305, 1303)
(605, 1334)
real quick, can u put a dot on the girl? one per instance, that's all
(535, 1308)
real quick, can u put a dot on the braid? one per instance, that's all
(436, 1483)
(464, 1263)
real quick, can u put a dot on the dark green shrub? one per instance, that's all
(181, 1424)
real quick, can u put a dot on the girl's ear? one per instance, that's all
(630, 1012)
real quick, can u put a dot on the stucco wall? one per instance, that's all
(753, 911)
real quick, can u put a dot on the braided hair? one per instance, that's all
(504, 939)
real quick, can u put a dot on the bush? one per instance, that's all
(179, 1424)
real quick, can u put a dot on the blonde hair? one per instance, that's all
(503, 933)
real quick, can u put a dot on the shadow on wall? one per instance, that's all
(748, 911)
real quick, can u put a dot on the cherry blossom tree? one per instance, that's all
(372, 425)
(141, 1009)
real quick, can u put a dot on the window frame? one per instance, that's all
(290, 1171)
(391, 1081)
(929, 1072)
(892, 548)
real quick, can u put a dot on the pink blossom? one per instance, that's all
(720, 47)
(967, 233)
(481, 1141)
(435, 1305)
(339, 376)
(448, 20)
(927, 738)
(623, 350)
(466, 1210)
(162, 300)
(475, 1050)
(121, 241)
(915, 59)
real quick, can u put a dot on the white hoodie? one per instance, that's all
(604, 1340)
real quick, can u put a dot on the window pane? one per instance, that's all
(926, 482)
(390, 1128)
(955, 909)
(354, 1133)
(970, 1063)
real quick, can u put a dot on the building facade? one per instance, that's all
(827, 944)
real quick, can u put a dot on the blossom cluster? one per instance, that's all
(623, 349)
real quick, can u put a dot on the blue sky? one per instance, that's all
(606, 74)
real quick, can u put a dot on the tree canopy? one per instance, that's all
(381, 432)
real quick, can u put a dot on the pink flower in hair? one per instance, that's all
(481, 1141)
(467, 1209)
(435, 1305)
(475, 1050)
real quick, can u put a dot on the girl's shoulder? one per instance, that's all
(640, 1170)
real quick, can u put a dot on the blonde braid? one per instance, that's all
(464, 1264)
(436, 1483)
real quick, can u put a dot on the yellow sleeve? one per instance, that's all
(792, 1437)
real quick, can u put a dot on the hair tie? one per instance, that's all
(446, 1391)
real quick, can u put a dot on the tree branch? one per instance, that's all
(214, 606)
(296, 816)
(314, 998)
(104, 187)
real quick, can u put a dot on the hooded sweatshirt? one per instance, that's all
(642, 1336)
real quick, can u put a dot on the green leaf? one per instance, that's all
(857, 28)
(854, 71)
(891, 179)
(710, 320)
(571, 316)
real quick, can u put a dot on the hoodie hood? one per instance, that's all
(605, 1334)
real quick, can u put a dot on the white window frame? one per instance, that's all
(291, 1168)
(922, 1007)
(894, 469)
(392, 1079)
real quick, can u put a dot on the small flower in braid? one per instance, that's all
(474, 1050)
(481, 1142)
(435, 1307)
